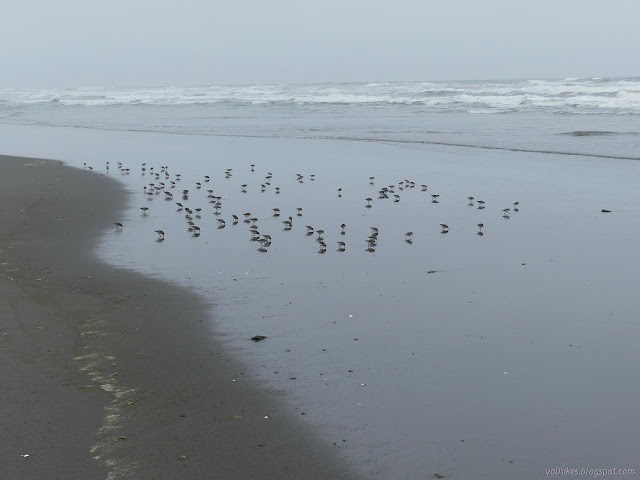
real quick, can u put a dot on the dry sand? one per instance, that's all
(101, 362)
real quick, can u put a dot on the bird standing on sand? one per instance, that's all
(343, 226)
(341, 246)
(445, 228)
(160, 234)
(369, 200)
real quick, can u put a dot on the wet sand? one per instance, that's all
(101, 362)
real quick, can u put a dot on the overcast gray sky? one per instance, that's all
(151, 42)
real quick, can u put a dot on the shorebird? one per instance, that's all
(408, 237)
(369, 200)
(299, 211)
(505, 212)
(207, 178)
(277, 190)
(340, 192)
(160, 234)
(341, 246)
(371, 179)
(516, 206)
(434, 198)
(144, 210)
(276, 212)
(244, 187)
(263, 187)
(396, 198)
(198, 185)
(118, 225)
(309, 229)
(320, 233)
(423, 187)
(235, 218)
(312, 177)
(445, 228)
(252, 167)
(221, 223)
(480, 225)
(374, 230)
(343, 226)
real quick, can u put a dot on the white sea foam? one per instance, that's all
(570, 95)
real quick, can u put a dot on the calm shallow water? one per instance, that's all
(521, 347)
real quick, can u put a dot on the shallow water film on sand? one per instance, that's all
(435, 309)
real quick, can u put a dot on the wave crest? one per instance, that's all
(570, 95)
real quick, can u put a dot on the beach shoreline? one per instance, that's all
(104, 362)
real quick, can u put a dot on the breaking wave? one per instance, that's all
(570, 95)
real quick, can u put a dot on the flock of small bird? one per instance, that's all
(191, 215)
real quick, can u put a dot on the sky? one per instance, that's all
(72, 43)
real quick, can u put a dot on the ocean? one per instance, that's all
(493, 356)
(583, 115)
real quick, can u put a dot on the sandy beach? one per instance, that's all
(102, 362)
(455, 354)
